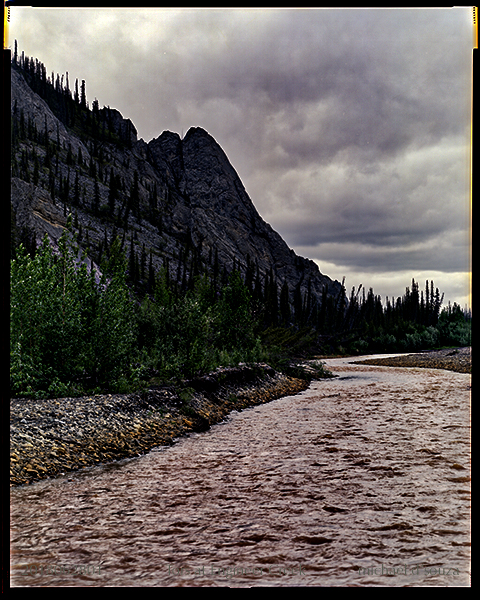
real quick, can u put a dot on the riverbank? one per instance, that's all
(51, 437)
(451, 359)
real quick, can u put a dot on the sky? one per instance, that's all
(350, 129)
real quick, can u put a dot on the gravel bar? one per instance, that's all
(52, 437)
(451, 359)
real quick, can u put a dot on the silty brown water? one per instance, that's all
(362, 480)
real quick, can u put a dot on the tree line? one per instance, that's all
(75, 328)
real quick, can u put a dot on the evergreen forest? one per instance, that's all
(76, 330)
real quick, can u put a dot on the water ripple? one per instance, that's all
(359, 481)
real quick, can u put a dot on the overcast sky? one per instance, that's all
(350, 129)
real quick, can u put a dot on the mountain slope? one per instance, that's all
(174, 203)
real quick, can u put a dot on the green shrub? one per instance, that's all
(359, 347)
(234, 318)
(66, 325)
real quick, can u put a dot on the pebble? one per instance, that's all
(50, 437)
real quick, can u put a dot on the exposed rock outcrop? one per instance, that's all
(180, 203)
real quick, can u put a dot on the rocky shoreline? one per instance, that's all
(51, 437)
(451, 359)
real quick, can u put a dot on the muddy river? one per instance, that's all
(362, 480)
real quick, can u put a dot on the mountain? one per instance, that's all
(174, 203)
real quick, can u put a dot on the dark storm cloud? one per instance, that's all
(349, 128)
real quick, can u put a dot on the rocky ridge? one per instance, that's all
(190, 211)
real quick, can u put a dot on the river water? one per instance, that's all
(362, 480)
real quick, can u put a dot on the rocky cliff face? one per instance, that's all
(174, 203)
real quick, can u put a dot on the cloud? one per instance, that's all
(348, 128)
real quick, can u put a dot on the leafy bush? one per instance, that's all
(359, 347)
(182, 336)
(234, 317)
(68, 327)
(455, 334)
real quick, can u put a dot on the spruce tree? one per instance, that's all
(133, 199)
(151, 275)
(83, 97)
(298, 304)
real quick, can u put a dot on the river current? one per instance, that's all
(361, 480)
